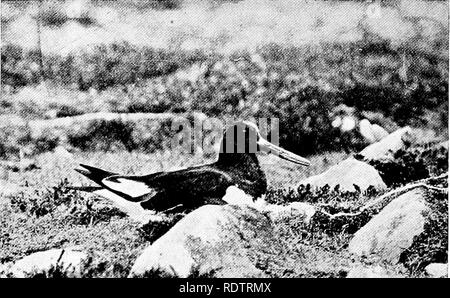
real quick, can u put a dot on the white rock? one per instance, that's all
(348, 123)
(298, 210)
(391, 143)
(236, 196)
(346, 174)
(379, 132)
(69, 260)
(223, 240)
(370, 272)
(437, 270)
(372, 132)
(392, 231)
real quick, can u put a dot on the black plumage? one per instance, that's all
(237, 165)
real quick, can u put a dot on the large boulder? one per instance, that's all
(392, 230)
(219, 241)
(347, 174)
(69, 262)
(392, 143)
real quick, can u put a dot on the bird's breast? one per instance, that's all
(236, 196)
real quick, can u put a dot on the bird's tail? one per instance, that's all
(93, 173)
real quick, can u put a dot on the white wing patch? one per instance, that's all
(133, 210)
(134, 189)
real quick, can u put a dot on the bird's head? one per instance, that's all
(245, 137)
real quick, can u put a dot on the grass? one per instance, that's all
(304, 97)
(48, 215)
(300, 83)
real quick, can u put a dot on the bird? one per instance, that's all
(237, 165)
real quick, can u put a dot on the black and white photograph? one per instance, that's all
(221, 139)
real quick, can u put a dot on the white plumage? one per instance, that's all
(134, 189)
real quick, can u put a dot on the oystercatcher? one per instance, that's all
(237, 165)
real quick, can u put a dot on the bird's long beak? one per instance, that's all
(268, 147)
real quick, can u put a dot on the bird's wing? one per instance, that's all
(143, 188)
(129, 189)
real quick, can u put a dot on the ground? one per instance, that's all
(29, 227)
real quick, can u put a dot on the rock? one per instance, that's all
(348, 173)
(223, 241)
(437, 270)
(70, 261)
(298, 210)
(391, 143)
(392, 231)
(371, 132)
(236, 196)
(361, 271)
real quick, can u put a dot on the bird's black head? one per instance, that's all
(244, 138)
(241, 137)
(240, 143)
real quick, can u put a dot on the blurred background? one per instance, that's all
(326, 69)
